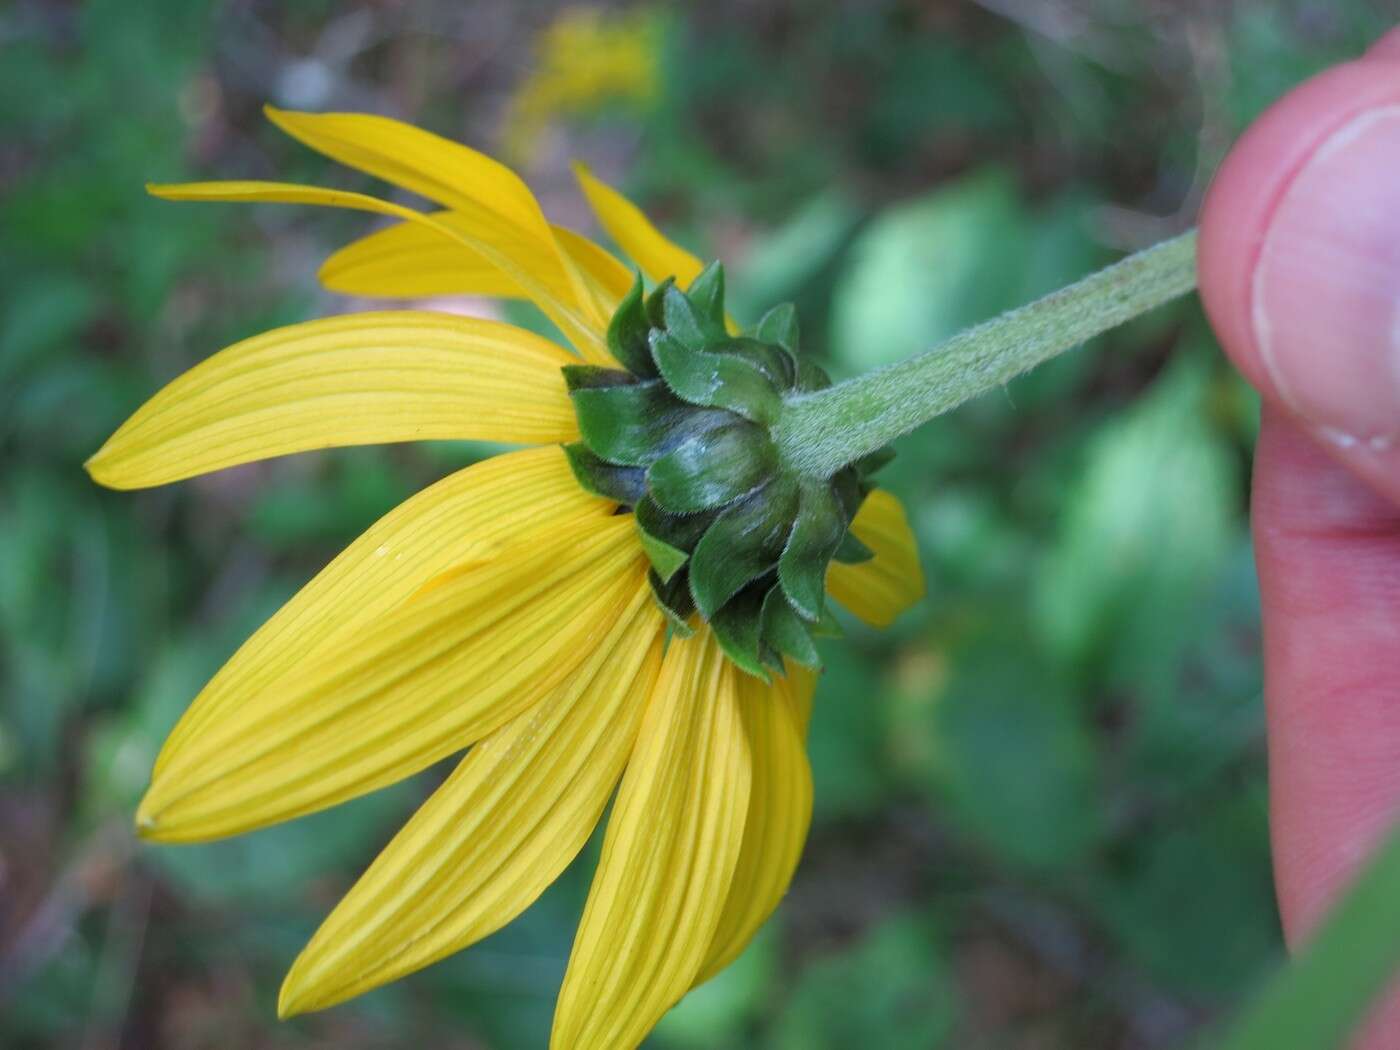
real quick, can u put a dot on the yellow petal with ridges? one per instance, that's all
(412, 260)
(657, 255)
(880, 589)
(468, 517)
(448, 172)
(501, 828)
(491, 237)
(354, 380)
(780, 812)
(668, 857)
(424, 680)
(409, 259)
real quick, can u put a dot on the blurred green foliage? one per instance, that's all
(1040, 804)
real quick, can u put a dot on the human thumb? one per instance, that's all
(1300, 259)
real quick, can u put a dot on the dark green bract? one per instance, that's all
(681, 436)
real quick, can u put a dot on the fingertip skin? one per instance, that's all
(1249, 185)
(1328, 552)
(1326, 525)
(1387, 47)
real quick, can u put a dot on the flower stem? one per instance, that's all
(821, 432)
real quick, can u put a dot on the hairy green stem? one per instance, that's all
(819, 433)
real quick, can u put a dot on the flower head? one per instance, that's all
(515, 609)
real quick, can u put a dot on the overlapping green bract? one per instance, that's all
(681, 437)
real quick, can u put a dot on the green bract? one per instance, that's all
(682, 437)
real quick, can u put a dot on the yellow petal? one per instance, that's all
(437, 168)
(780, 812)
(668, 857)
(800, 684)
(502, 827)
(412, 260)
(497, 240)
(422, 681)
(353, 380)
(448, 172)
(468, 517)
(599, 266)
(880, 589)
(658, 256)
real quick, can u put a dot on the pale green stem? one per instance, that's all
(821, 432)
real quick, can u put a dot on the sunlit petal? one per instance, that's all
(780, 811)
(500, 829)
(492, 238)
(880, 589)
(412, 260)
(463, 179)
(669, 856)
(353, 380)
(468, 517)
(422, 681)
(657, 255)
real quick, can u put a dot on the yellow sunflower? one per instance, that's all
(511, 610)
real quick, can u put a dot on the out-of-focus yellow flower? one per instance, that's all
(503, 609)
(585, 59)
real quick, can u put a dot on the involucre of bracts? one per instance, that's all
(681, 437)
